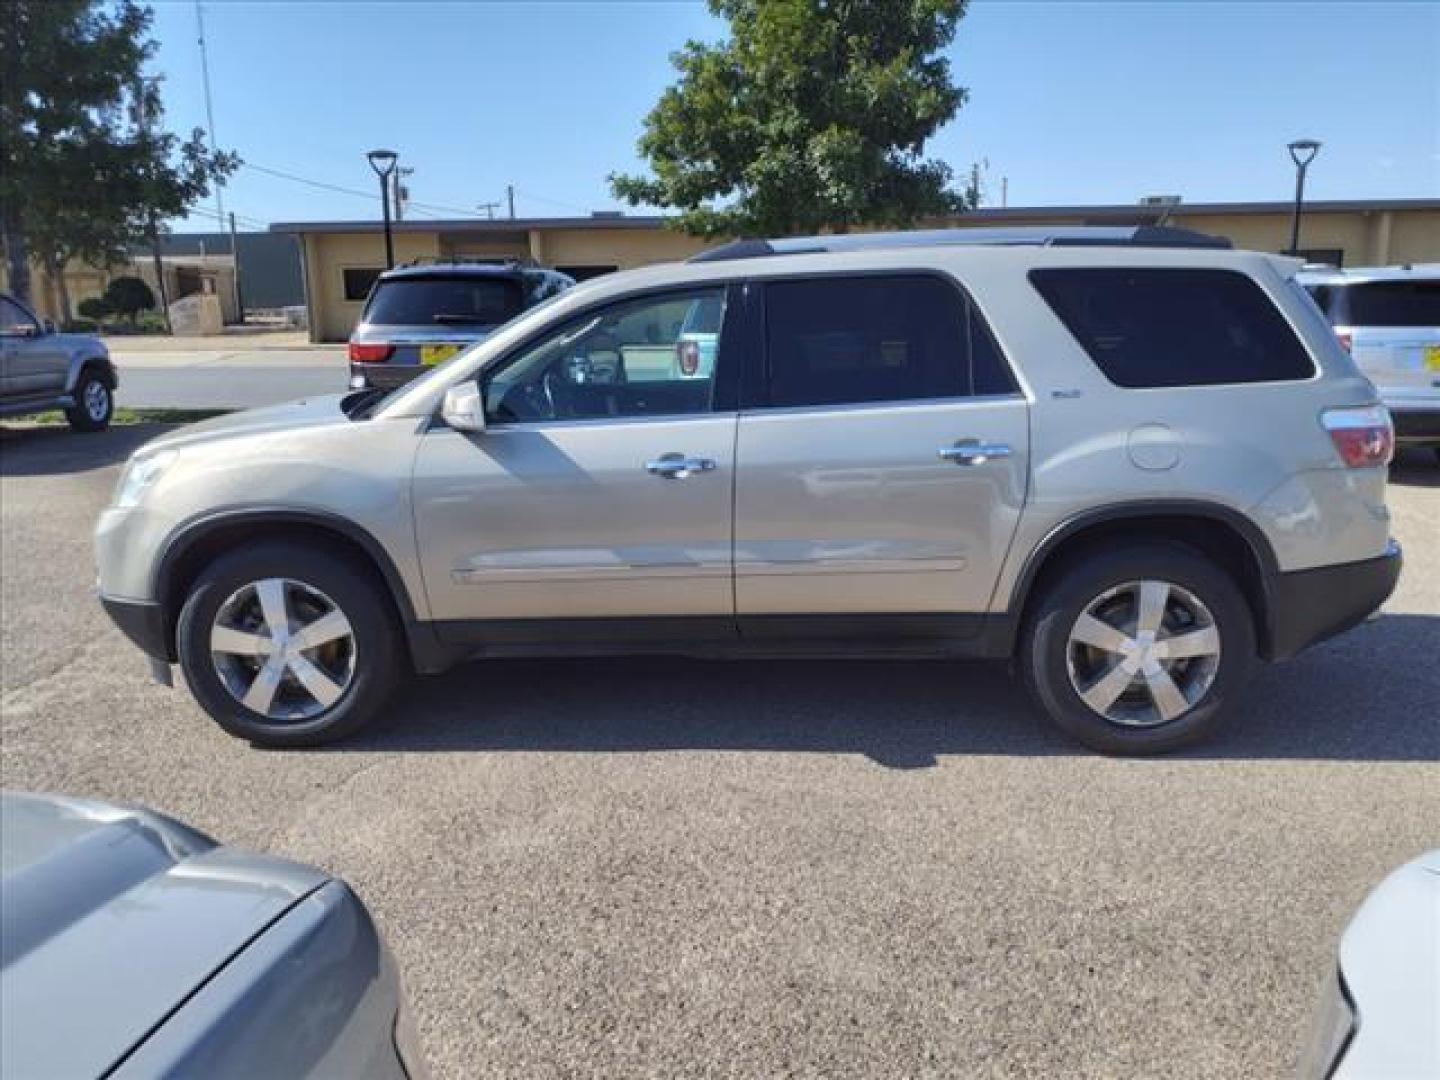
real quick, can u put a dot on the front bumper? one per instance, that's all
(1308, 606)
(143, 622)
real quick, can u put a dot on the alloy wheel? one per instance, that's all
(97, 402)
(1143, 653)
(283, 649)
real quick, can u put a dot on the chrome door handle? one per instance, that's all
(678, 466)
(974, 452)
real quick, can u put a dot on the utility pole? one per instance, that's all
(1004, 192)
(489, 208)
(402, 193)
(209, 107)
(235, 280)
(510, 198)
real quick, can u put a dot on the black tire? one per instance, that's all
(79, 415)
(1045, 642)
(379, 661)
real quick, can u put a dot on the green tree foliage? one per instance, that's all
(128, 296)
(94, 308)
(812, 116)
(87, 165)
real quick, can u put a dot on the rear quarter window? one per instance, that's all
(1168, 327)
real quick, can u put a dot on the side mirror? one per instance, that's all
(463, 408)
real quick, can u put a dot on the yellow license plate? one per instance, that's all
(436, 354)
(1432, 357)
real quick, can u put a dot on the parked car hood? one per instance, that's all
(306, 412)
(109, 918)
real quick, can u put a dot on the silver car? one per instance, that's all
(1389, 319)
(132, 946)
(41, 369)
(1130, 460)
(1379, 1011)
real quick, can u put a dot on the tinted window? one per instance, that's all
(1381, 303)
(630, 359)
(846, 340)
(421, 301)
(1175, 327)
(358, 280)
(14, 320)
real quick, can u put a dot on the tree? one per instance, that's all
(128, 296)
(812, 116)
(96, 308)
(88, 169)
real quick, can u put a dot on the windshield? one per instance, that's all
(1381, 303)
(421, 301)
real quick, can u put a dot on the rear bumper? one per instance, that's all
(1416, 425)
(143, 622)
(1308, 606)
(384, 376)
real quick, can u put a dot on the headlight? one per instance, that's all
(143, 470)
(1332, 1030)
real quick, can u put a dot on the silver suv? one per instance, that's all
(42, 369)
(1388, 318)
(1130, 460)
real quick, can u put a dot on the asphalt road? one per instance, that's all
(662, 868)
(241, 376)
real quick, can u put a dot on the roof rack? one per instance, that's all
(1041, 236)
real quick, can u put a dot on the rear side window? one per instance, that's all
(1164, 327)
(1381, 303)
(425, 301)
(837, 340)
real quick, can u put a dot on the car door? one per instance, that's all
(601, 488)
(881, 462)
(34, 362)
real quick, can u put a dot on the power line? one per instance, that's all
(370, 195)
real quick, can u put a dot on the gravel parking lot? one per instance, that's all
(883, 869)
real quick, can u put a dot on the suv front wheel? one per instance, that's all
(1140, 649)
(286, 646)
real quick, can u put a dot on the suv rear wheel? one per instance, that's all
(288, 647)
(1139, 650)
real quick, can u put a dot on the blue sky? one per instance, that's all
(1074, 103)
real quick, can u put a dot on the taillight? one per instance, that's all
(687, 355)
(1363, 437)
(1346, 339)
(360, 353)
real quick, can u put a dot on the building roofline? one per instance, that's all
(1128, 211)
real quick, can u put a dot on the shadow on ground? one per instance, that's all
(54, 450)
(1362, 697)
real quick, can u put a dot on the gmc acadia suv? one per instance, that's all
(1131, 460)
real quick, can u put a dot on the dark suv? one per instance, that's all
(420, 315)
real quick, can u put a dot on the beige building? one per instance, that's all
(341, 258)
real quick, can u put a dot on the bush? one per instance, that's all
(94, 307)
(151, 322)
(128, 296)
(81, 326)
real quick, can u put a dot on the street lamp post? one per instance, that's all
(1302, 152)
(383, 162)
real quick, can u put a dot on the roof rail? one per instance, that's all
(467, 260)
(1038, 236)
